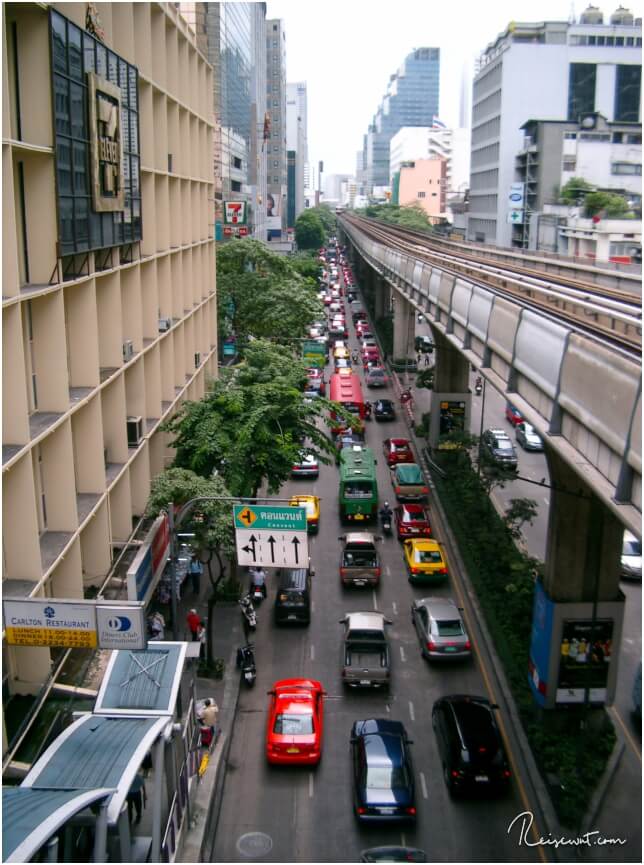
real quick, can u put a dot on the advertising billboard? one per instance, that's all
(585, 653)
(235, 213)
(147, 567)
(273, 211)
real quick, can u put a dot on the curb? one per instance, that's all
(597, 800)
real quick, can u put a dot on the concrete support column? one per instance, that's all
(379, 299)
(450, 398)
(584, 541)
(404, 328)
(451, 368)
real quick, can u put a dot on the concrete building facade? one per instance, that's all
(108, 274)
(424, 182)
(550, 70)
(296, 142)
(276, 167)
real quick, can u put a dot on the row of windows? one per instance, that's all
(422, 194)
(483, 203)
(489, 129)
(627, 169)
(485, 155)
(617, 41)
(490, 105)
(485, 179)
(615, 137)
(581, 91)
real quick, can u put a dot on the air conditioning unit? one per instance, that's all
(164, 324)
(134, 431)
(128, 350)
(197, 359)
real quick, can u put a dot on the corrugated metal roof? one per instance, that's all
(30, 817)
(142, 682)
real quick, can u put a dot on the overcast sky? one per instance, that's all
(346, 50)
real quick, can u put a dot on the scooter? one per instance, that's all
(248, 611)
(246, 663)
(385, 519)
(257, 590)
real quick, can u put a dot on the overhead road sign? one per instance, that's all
(277, 517)
(271, 536)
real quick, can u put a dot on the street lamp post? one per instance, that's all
(481, 427)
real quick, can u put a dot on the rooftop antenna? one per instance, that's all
(572, 18)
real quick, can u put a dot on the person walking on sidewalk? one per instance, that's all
(195, 569)
(194, 624)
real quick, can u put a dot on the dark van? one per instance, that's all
(293, 599)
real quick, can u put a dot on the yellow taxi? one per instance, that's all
(425, 561)
(312, 505)
(342, 352)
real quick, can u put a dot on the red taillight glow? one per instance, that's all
(425, 490)
(410, 810)
(377, 572)
(506, 773)
(431, 646)
(362, 810)
(415, 570)
(442, 570)
(397, 490)
(468, 645)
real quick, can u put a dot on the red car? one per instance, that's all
(513, 414)
(370, 354)
(412, 521)
(295, 722)
(397, 451)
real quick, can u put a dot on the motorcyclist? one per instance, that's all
(386, 513)
(354, 355)
(258, 580)
(479, 382)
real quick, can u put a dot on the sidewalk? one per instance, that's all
(615, 809)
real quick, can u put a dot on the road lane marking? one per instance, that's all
(403, 843)
(613, 711)
(402, 654)
(375, 600)
(387, 570)
(423, 785)
(547, 501)
(312, 652)
(411, 711)
(395, 608)
(312, 606)
(310, 785)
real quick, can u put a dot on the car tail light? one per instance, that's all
(410, 810)
(431, 646)
(415, 570)
(425, 490)
(506, 773)
(377, 570)
(442, 570)
(468, 645)
(457, 773)
(343, 572)
(362, 810)
(396, 490)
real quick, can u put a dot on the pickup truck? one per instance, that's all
(365, 651)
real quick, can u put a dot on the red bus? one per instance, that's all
(346, 390)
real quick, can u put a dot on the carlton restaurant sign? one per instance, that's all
(73, 624)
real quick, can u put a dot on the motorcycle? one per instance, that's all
(257, 590)
(478, 387)
(248, 612)
(367, 411)
(246, 663)
(385, 519)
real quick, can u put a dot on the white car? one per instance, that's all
(631, 564)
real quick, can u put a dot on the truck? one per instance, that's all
(365, 651)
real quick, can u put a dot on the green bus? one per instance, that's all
(358, 495)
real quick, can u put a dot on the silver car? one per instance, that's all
(631, 564)
(528, 438)
(440, 629)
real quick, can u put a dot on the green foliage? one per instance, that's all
(249, 428)
(565, 749)
(521, 511)
(326, 216)
(425, 378)
(309, 230)
(262, 293)
(609, 202)
(307, 265)
(409, 216)
(575, 189)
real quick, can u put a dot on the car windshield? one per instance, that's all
(504, 444)
(428, 557)
(449, 628)
(385, 777)
(632, 548)
(293, 725)
(358, 490)
(400, 449)
(414, 518)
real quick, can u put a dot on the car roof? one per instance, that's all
(304, 497)
(414, 508)
(398, 442)
(499, 433)
(423, 543)
(366, 621)
(384, 402)
(360, 538)
(440, 608)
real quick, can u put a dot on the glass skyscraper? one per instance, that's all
(411, 99)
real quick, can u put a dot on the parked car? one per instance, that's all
(440, 629)
(631, 562)
(424, 344)
(496, 445)
(469, 743)
(306, 466)
(312, 506)
(513, 414)
(528, 437)
(397, 451)
(383, 409)
(365, 650)
(295, 722)
(424, 560)
(359, 560)
(411, 521)
(383, 777)
(409, 483)
(376, 377)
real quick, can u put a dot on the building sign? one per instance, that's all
(235, 212)
(452, 418)
(105, 138)
(146, 569)
(121, 626)
(48, 622)
(585, 653)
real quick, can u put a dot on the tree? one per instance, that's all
(326, 217)
(521, 511)
(609, 202)
(309, 231)
(425, 378)
(574, 190)
(251, 426)
(210, 521)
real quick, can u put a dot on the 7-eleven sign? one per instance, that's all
(235, 212)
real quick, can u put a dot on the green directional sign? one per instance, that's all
(271, 517)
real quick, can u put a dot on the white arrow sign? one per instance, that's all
(272, 549)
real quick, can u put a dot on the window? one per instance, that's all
(421, 194)
(237, 163)
(581, 89)
(571, 136)
(274, 28)
(276, 180)
(276, 163)
(618, 138)
(275, 103)
(628, 83)
(630, 168)
(235, 185)
(276, 148)
(569, 163)
(634, 139)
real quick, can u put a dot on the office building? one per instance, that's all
(553, 71)
(276, 167)
(108, 275)
(232, 37)
(411, 99)
(296, 143)
(424, 182)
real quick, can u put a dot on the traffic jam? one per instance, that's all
(373, 504)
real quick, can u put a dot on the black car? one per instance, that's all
(498, 448)
(393, 854)
(470, 744)
(383, 409)
(383, 777)
(424, 344)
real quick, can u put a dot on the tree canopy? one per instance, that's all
(310, 232)
(595, 201)
(409, 215)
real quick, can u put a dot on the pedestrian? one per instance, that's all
(136, 797)
(418, 359)
(195, 570)
(426, 360)
(194, 624)
(209, 715)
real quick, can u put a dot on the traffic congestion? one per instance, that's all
(371, 725)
